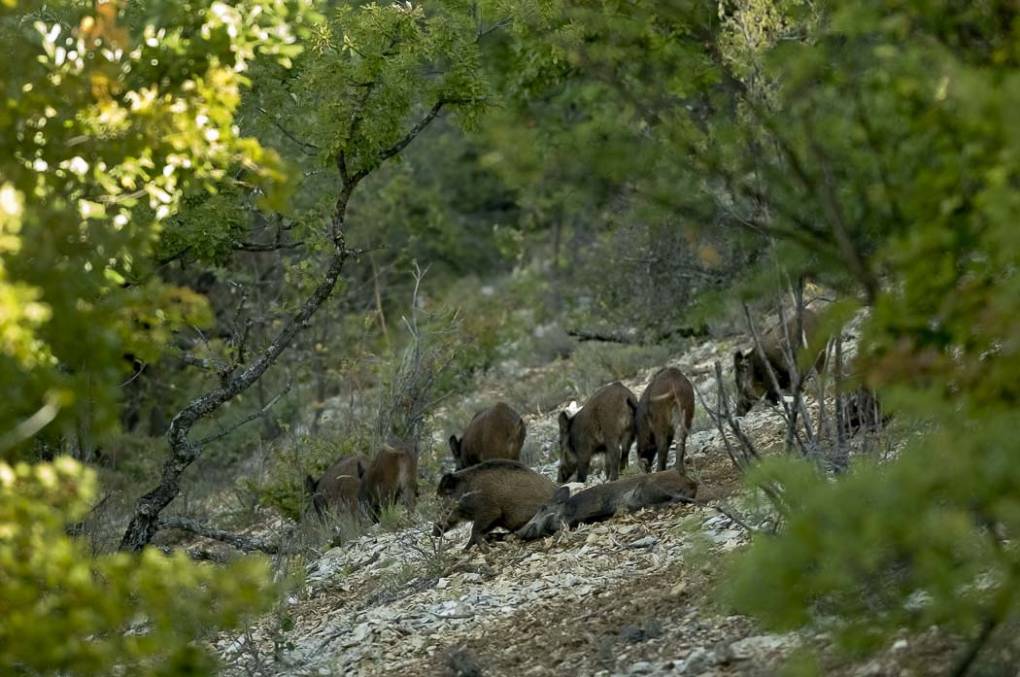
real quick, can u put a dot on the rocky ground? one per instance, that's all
(631, 596)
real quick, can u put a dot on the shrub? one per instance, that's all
(63, 611)
(283, 487)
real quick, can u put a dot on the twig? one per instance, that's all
(206, 363)
(247, 419)
(306, 147)
(139, 370)
(965, 662)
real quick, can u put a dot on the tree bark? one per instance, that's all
(183, 452)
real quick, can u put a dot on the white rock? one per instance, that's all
(760, 645)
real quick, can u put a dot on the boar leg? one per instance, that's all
(625, 444)
(582, 467)
(663, 443)
(681, 449)
(482, 525)
(613, 460)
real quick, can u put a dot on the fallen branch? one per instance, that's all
(242, 543)
(583, 335)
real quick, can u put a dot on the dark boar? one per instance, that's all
(666, 405)
(391, 476)
(496, 432)
(339, 486)
(605, 425)
(493, 494)
(605, 500)
(751, 373)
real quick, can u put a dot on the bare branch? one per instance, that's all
(267, 246)
(244, 421)
(583, 335)
(402, 143)
(30, 426)
(306, 148)
(242, 543)
(206, 363)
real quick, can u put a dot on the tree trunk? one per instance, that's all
(183, 452)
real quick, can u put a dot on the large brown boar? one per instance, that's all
(605, 500)
(339, 486)
(391, 476)
(751, 373)
(666, 405)
(496, 432)
(605, 425)
(492, 494)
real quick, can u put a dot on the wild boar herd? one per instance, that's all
(493, 489)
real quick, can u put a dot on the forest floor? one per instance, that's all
(635, 595)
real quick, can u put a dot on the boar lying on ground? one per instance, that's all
(492, 494)
(339, 486)
(666, 405)
(751, 372)
(391, 476)
(496, 432)
(605, 500)
(604, 425)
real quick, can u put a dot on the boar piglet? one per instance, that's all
(492, 494)
(391, 476)
(339, 486)
(605, 425)
(666, 406)
(496, 432)
(605, 500)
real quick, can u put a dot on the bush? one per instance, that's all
(596, 364)
(283, 487)
(63, 611)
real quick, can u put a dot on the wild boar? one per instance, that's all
(496, 432)
(339, 486)
(491, 494)
(605, 425)
(667, 404)
(391, 476)
(605, 500)
(751, 373)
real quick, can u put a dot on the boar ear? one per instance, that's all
(310, 484)
(738, 358)
(564, 421)
(454, 446)
(360, 468)
(561, 495)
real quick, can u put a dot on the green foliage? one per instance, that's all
(107, 122)
(63, 611)
(900, 120)
(596, 364)
(109, 119)
(283, 487)
(394, 516)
